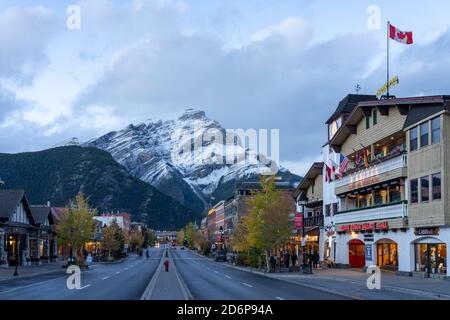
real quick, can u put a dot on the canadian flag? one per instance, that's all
(400, 36)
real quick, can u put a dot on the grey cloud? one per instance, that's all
(24, 34)
(265, 84)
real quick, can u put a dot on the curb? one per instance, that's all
(147, 294)
(184, 288)
(33, 276)
(388, 287)
(286, 280)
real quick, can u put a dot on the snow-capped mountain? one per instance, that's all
(190, 159)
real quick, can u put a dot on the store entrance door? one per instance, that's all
(356, 254)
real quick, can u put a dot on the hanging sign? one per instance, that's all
(299, 221)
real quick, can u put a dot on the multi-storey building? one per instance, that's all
(393, 208)
(309, 196)
(330, 157)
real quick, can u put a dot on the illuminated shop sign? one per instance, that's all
(365, 226)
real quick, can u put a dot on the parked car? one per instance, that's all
(221, 256)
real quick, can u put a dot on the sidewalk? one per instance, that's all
(166, 285)
(353, 283)
(7, 274)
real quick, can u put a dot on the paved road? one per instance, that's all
(121, 281)
(209, 280)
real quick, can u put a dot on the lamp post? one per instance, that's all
(17, 257)
(221, 236)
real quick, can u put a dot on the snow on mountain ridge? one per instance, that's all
(154, 151)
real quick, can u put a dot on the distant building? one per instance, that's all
(122, 219)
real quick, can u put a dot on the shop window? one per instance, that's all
(375, 117)
(424, 189)
(436, 181)
(413, 142)
(424, 140)
(436, 130)
(367, 122)
(431, 258)
(387, 255)
(414, 191)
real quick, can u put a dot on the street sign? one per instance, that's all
(368, 252)
(393, 82)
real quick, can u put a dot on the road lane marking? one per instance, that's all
(279, 298)
(104, 278)
(86, 286)
(216, 272)
(126, 269)
(117, 272)
(247, 285)
(227, 276)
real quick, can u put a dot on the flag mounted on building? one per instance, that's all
(344, 161)
(366, 156)
(400, 36)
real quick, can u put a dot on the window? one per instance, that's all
(424, 189)
(335, 208)
(327, 210)
(414, 191)
(367, 122)
(436, 130)
(413, 139)
(436, 181)
(375, 117)
(424, 134)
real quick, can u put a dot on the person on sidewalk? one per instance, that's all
(287, 257)
(294, 259)
(316, 259)
(273, 263)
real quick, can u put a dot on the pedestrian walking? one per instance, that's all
(286, 259)
(148, 254)
(273, 263)
(316, 259)
(294, 259)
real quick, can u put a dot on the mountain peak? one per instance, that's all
(191, 114)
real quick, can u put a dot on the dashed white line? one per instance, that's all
(247, 285)
(227, 276)
(86, 286)
(117, 272)
(104, 278)
(279, 298)
(216, 272)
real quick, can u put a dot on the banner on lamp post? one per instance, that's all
(298, 221)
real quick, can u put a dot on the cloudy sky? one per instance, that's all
(281, 64)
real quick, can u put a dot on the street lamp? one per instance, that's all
(17, 258)
(221, 236)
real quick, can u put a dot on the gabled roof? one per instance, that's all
(9, 200)
(313, 172)
(405, 106)
(348, 104)
(57, 213)
(41, 213)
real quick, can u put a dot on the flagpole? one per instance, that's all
(387, 77)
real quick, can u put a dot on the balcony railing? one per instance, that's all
(383, 166)
(381, 212)
(316, 221)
